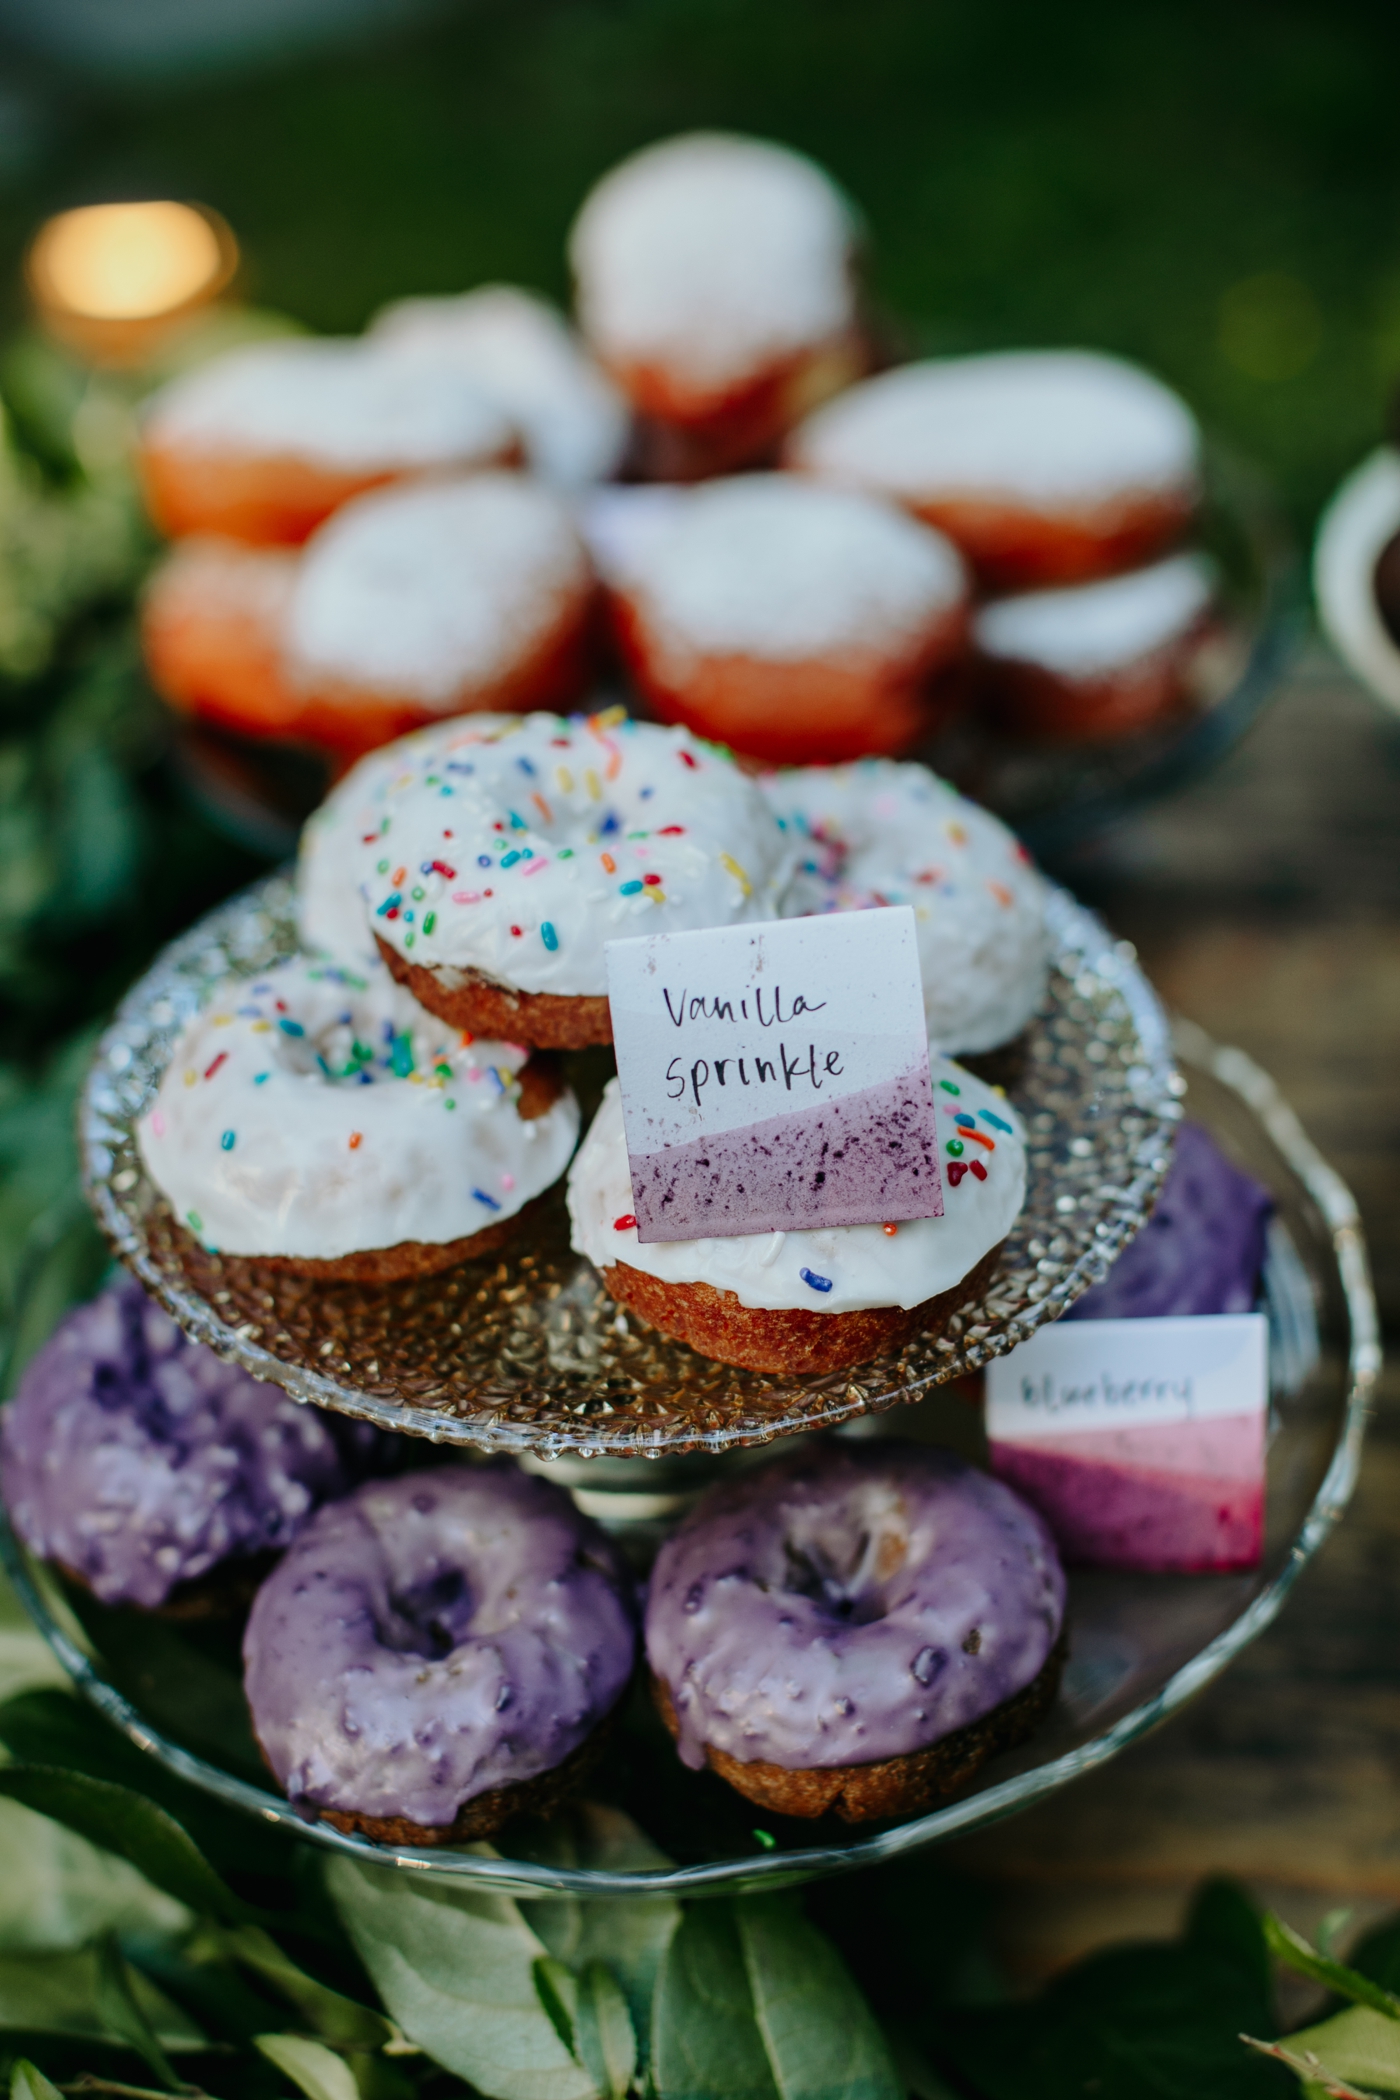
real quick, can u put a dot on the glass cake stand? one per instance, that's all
(1140, 1645)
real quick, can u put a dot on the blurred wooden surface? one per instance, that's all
(1265, 904)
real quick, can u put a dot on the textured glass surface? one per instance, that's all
(525, 1351)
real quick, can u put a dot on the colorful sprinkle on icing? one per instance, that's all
(549, 936)
(731, 866)
(228, 1141)
(815, 1282)
(357, 1138)
(629, 889)
(221, 1059)
(956, 1147)
(978, 1169)
(624, 1223)
(948, 1086)
(997, 1122)
(482, 1197)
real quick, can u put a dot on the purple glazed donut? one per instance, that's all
(855, 1628)
(140, 1462)
(1202, 1249)
(438, 1652)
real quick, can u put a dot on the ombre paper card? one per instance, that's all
(775, 1076)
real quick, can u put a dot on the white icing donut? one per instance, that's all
(777, 569)
(713, 258)
(881, 833)
(1094, 629)
(316, 1112)
(518, 845)
(1356, 525)
(337, 403)
(435, 590)
(520, 353)
(863, 1265)
(1044, 429)
(330, 911)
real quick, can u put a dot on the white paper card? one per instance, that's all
(775, 1076)
(1096, 1375)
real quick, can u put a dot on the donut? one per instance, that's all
(817, 1300)
(1356, 572)
(319, 1122)
(1096, 660)
(439, 1652)
(879, 833)
(793, 622)
(503, 852)
(145, 1466)
(264, 442)
(411, 603)
(1045, 466)
(1201, 1251)
(715, 282)
(855, 1629)
(519, 352)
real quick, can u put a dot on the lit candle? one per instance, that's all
(112, 279)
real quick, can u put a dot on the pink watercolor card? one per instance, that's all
(1141, 1442)
(775, 1077)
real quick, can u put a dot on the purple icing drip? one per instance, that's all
(869, 1159)
(1202, 1249)
(850, 1603)
(139, 1460)
(432, 1637)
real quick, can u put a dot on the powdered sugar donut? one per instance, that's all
(319, 1121)
(1046, 466)
(715, 282)
(267, 440)
(520, 353)
(410, 603)
(878, 833)
(790, 621)
(815, 1300)
(1356, 572)
(1097, 660)
(504, 852)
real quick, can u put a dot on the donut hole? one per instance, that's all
(844, 1560)
(429, 1617)
(1386, 585)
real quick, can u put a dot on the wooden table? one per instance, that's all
(1265, 904)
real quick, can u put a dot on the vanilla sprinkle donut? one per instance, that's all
(267, 440)
(1046, 466)
(521, 354)
(791, 621)
(878, 833)
(506, 851)
(715, 282)
(695, 1289)
(313, 1115)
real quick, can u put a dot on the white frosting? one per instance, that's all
(435, 589)
(317, 1112)
(882, 833)
(551, 827)
(338, 403)
(864, 1264)
(713, 257)
(1096, 628)
(621, 525)
(206, 576)
(772, 567)
(330, 911)
(1362, 516)
(1042, 428)
(519, 352)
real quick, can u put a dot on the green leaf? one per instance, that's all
(123, 2017)
(820, 2035)
(27, 2082)
(706, 2042)
(58, 1892)
(336, 2017)
(321, 2074)
(456, 1970)
(1358, 2047)
(557, 1987)
(135, 1829)
(1292, 1948)
(607, 2040)
(1377, 1955)
(58, 1994)
(629, 1933)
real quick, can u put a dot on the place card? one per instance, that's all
(775, 1076)
(1141, 1442)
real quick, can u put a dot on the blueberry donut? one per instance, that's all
(1045, 466)
(439, 1652)
(1097, 660)
(824, 1298)
(497, 856)
(319, 1122)
(790, 621)
(855, 1629)
(716, 284)
(410, 604)
(149, 1470)
(266, 441)
(878, 833)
